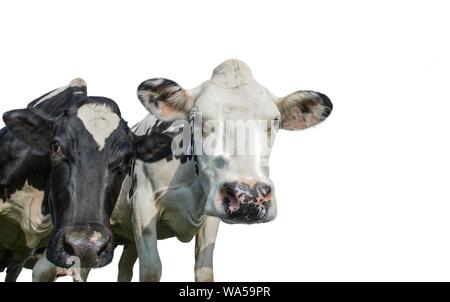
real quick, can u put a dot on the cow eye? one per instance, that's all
(122, 169)
(272, 125)
(128, 160)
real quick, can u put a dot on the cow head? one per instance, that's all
(90, 150)
(238, 119)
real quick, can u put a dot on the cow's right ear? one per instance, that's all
(31, 127)
(165, 99)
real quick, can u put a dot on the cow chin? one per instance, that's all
(62, 253)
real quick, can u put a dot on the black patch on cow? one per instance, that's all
(192, 146)
(133, 180)
(45, 207)
(162, 126)
(19, 164)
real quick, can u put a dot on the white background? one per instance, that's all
(362, 197)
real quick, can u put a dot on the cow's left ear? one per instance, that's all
(303, 109)
(31, 127)
(153, 147)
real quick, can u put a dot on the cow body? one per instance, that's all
(166, 202)
(19, 240)
(178, 196)
(187, 196)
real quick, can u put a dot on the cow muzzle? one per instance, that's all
(243, 202)
(89, 246)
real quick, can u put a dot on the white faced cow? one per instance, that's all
(62, 161)
(187, 198)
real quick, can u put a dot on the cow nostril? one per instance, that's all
(266, 194)
(229, 188)
(67, 246)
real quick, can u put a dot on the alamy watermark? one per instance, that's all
(197, 136)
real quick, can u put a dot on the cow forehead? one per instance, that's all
(249, 101)
(233, 93)
(99, 120)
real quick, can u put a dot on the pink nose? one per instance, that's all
(242, 201)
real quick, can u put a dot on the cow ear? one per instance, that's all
(165, 99)
(153, 147)
(303, 109)
(31, 127)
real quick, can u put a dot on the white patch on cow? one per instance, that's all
(204, 274)
(233, 73)
(96, 236)
(45, 271)
(233, 97)
(204, 247)
(100, 121)
(24, 208)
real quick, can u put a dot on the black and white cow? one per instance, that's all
(187, 198)
(62, 161)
